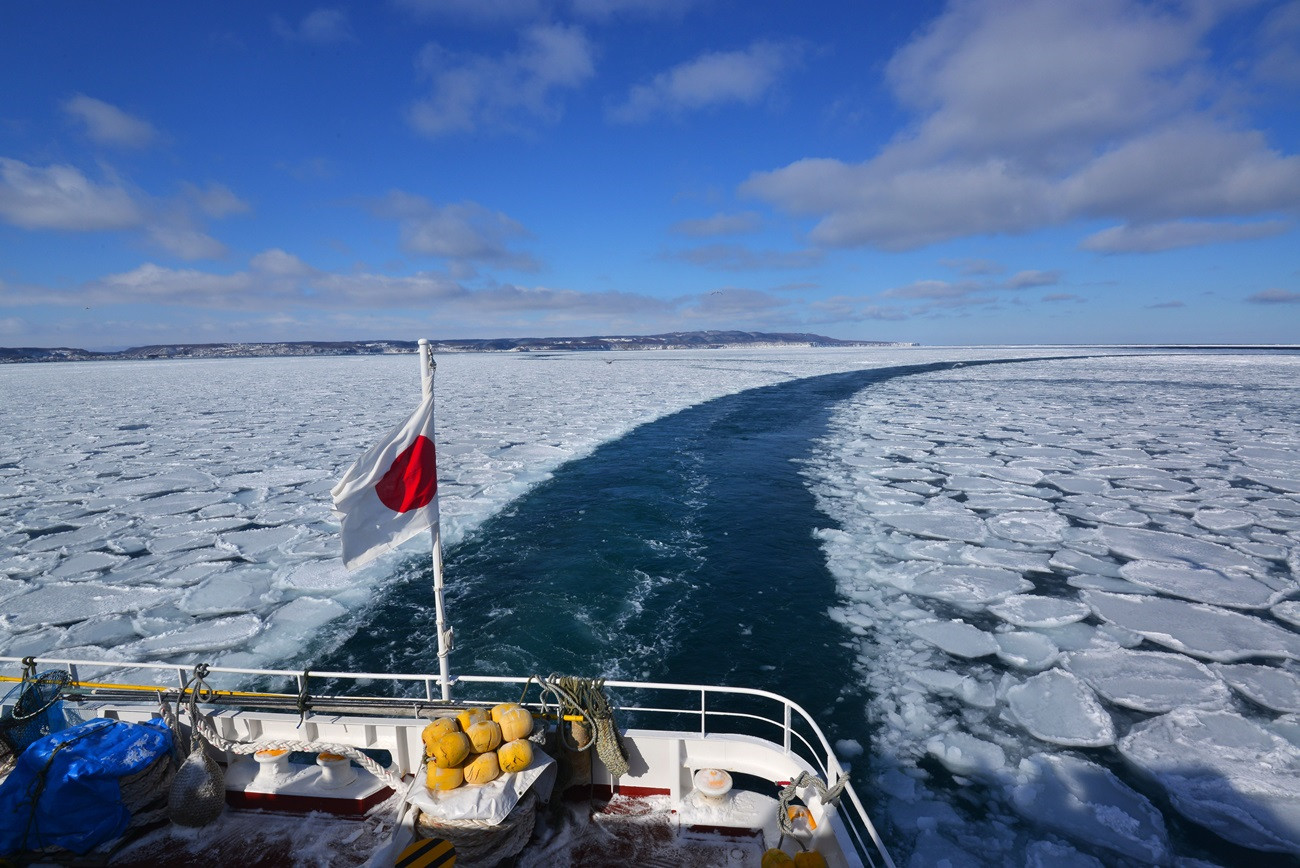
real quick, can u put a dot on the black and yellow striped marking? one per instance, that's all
(429, 853)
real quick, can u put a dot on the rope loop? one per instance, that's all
(29, 668)
(828, 796)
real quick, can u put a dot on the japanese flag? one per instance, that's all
(391, 493)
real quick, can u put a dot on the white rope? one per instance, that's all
(203, 724)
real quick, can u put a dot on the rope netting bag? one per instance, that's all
(34, 709)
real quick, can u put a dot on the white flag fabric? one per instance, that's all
(391, 493)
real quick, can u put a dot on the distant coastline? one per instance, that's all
(697, 340)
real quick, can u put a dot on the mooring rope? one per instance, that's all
(198, 687)
(828, 796)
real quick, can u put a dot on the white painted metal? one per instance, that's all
(427, 369)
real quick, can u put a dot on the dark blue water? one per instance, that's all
(682, 552)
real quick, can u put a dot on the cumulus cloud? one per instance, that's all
(973, 266)
(1036, 113)
(736, 257)
(477, 11)
(488, 12)
(1274, 296)
(1033, 278)
(1171, 235)
(464, 232)
(216, 200)
(319, 27)
(709, 80)
(107, 124)
(1278, 51)
(719, 224)
(471, 92)
(734, 303)
(278, 282)
(61, 197)
(186, 243)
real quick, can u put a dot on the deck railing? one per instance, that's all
(718, 710)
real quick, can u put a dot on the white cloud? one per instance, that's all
(108, 125)
(1036, 113)
(1274, 296)
(1033, 278)
(736, 257)
(465, 232)
(719, 224)
(606, 9)
(280, 263)
(709, 80)
(321, 26)
(61, 197)
(477, 11)
(471, 92)
(186, 243)
(1154, 237)
(216, 200)
(1278, 51)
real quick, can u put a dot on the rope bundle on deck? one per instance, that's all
(586, 697)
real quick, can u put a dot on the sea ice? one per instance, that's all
(1086, 802)
(1150, 681)
(1194, 628)
(1024, 650)
(1029, 528)
(59, 603)
(1223, 519)
(964, 754)
(1031, 610)
(1200, 585)
(203, 636)
(1288, 612)
(961, 526)
(1224, 772)
(1055, 706)
(1049, 854)
(968, 586)
(1269, 686)
(1153, 545)
(956, 637)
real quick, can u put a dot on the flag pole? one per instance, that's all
(427, 368)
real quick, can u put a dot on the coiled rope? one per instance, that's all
(586, 697)
(828, 796)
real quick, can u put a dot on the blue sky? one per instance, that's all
(982, 171)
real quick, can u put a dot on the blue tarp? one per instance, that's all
(64, 791)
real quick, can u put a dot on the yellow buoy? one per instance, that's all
(775, 858)
(515, 723)
(443, 779)
(436, 730)
(451, 750)
(809, 859)
(515, 756)
(482, 769)
(484, 736)
(498, 710)
(470, 716)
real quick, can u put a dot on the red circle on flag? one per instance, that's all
(412, 481)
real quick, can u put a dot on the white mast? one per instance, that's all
(427, 367)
